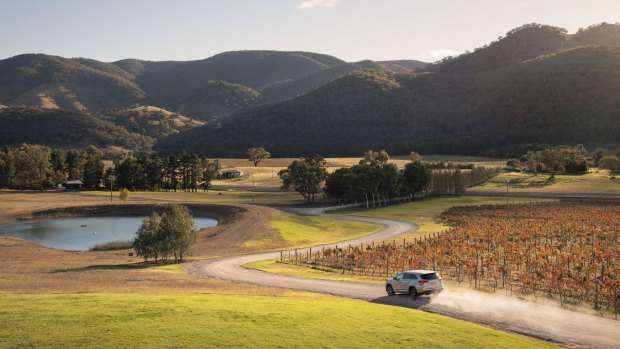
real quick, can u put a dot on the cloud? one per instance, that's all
(439, 53)
(310, 4)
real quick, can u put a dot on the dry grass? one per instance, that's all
(595, 182)
(27, 267)
(265, 175)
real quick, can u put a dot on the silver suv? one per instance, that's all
(415, 283)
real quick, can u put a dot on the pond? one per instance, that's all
(83, 233)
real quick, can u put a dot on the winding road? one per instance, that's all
(540, 321)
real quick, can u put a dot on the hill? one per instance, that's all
(208, 89)
(291, 88)
(535, 86)
(151, 121)
(70, 84)
(218, 99)
(64, 129)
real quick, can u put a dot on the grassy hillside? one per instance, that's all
(291, 88)
(207, 89)
(173, 82)
(70, 84)
(64, 129)
(151, 121)
(532, 87)
(218, 321)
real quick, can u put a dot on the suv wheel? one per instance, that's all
(390, 290)
(413, 292)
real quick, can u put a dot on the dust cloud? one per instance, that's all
(550, 321)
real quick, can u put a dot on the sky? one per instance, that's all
(352, 30)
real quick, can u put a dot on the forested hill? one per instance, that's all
(61, 129)
(537, 85)
(207, 89)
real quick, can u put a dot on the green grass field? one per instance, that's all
(215, 197)
(295, 230)
(595, 182)
(231, 321)
(425, 213)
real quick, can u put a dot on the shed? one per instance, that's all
(231, 174)
(73, 185)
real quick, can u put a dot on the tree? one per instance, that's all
(415, 157)
(611, 163)
(560, 159)
(305, 176)
(210, 171)
(177, 229)
(416, 177)
(93, 168)
(32, 166)
(7, 169)
(458, 182)
(171, 232)
(373, 157)
(256, 155)
(146, 242)
(598, 154)
(124, 194)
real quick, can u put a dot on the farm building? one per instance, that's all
(72, 185)
(231, 174)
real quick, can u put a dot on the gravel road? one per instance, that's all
(505, 313)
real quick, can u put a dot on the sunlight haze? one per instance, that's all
(348, 29)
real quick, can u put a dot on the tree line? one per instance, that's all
(375, 180)
(565, 159)
(186, 172)
(40, 167)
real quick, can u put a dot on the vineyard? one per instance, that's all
(568, 252)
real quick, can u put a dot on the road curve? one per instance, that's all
(505, 313)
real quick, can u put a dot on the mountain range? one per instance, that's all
(206, 89)
(537, 85)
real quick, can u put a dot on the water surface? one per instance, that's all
(83, 233)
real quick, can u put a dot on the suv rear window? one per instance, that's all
(431, 276)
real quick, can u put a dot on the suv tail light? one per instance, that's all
(422, 282)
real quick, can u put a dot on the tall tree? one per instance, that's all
(93, 168)
(305, 176)
(210, 171)
(32, 166)
(177, 224)
(416, 177)
(256, 155)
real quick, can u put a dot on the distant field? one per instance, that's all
(107, 320)
(596, 182)
(266, 174)
(214, 196)
(425, 213)
(461, 159)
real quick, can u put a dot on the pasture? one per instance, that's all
(595, 182)
(112, 320)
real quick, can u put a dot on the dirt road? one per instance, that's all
(541, 321)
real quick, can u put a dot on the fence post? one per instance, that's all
(281, 256)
